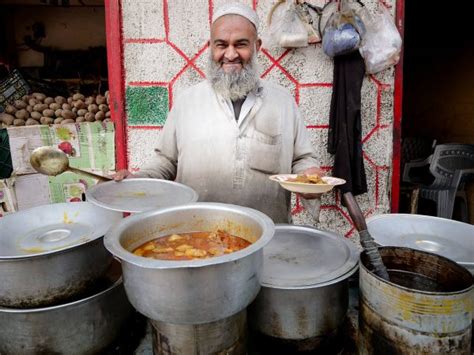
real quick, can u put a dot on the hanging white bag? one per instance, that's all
(381, 43)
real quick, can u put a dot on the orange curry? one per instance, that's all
(194, 245)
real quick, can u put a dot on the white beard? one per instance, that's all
(233, 85)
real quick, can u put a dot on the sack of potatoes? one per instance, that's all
(37, 108)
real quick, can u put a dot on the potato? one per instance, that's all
(74, 109)
(90, 117)
(69, 100)
(82, 112)
(99, 100)
(68, 120)
(58, 120)
(48, 113)
(19, 104)
(99, 116)
(66, 107)
(48, 100)
(78, 96)
(79, 104)
(60, 100)
(22, 114)
(93, 108)
(108, 114)
(7, 118)
(19, 122)
(47, 120)
(89, 100)
(26, 98)
(35, 115)
(40, 107)
(10, 109)
(33, 102)
(103, 107)
(39, 96)
(80, 119)
(31, 122)
(54, 106)
(66, 114)
(58, 112)
(107, 96)
(29, 108)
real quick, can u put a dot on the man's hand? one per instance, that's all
(312, 171)
(122, 174)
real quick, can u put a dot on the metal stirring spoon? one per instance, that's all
(52, 161)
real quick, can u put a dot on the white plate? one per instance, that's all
(305, 188)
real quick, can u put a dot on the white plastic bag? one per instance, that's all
(382, 43)
(285, 29)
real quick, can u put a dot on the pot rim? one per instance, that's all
(117, 283)
(317, 285)
(412, 290)
(112, 244)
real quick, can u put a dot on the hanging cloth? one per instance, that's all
(345, 131)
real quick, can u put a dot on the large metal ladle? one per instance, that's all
(52, 161)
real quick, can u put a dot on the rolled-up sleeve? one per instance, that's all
(304, 155)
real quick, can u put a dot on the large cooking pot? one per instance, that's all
(445, 237)
(425, 308)
(51, 253)
(304, 297)
(86, 326)
(192, 291)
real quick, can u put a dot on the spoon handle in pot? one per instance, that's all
(366, 240)
(92, 175)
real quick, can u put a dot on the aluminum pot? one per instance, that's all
(425, 308)
(305, 288)
(51, 253)
(191, 291)
(86, 326)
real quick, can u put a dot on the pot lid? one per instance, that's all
(451, 239)
(140, 194)
(303, 257)
(50, 228)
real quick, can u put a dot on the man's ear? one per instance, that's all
(208, 42)
(258, 44)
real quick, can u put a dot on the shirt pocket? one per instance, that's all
(265, 152)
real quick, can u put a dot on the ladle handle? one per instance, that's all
(354, 211)
(366, 240)
(92, 175)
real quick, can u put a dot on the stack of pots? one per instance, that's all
(195, 306)
(59, 293)
(305, 291)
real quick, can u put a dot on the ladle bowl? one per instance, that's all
(52, 161)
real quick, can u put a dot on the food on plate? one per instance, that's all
(194, 245)
(307, 179)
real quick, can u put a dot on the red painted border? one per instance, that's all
(397, 112)
(113, 28)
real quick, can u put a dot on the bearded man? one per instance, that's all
(225, 136)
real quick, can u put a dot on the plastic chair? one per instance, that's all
(450, 167)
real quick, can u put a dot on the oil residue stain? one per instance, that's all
(66, 219)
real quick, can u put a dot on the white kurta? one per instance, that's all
(202, 146)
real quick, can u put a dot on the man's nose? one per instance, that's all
(230, 53)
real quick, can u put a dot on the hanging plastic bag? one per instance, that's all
(341, 33)
(285, 28)
(382, 43)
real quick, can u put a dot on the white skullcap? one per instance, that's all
(236, 8)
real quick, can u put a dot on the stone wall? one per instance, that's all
(165, 50)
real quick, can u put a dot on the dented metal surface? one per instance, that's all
(431, 316)
(224, 337)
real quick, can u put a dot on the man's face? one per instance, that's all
(233, 42)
